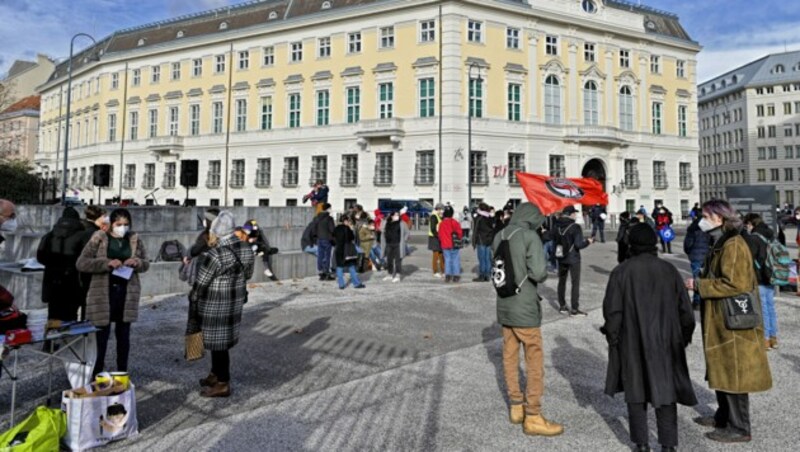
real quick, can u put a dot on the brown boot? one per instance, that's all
(538, 425)
(218, 390)
(767, 344)
(773, 342)
(516, 413)
(210, 380)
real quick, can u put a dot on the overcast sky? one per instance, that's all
(732, 32)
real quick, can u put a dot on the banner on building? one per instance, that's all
(552, 194)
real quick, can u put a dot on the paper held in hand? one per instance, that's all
(123, 272)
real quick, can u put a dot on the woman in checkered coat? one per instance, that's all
(220, 292)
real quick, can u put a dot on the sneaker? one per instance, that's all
(705, 421)
(396, 279)
(330, 278)
(268, 273)
(577, 312)
(773, 342)
(727, 436)
(563, 310)
(387, 278)
(437, 275)
(360, 286)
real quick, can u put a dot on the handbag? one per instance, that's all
(741, 312)
(194, 346)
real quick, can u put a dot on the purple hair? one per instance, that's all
(723, 209)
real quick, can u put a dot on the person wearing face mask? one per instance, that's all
(437, 263)
(394, 238)
(345, 254)
(114, 296)
(58, 251)
(758, 237)
(366, 238)
(569, 236)
(8, 217)
(696, 245)
(201, 244)
(96, 220)
(736, 361)
(663, 219)
(449, 232)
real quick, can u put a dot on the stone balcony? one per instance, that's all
(166, 146)
(380, 128)
(601, 135)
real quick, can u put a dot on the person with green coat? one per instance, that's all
(520, 316)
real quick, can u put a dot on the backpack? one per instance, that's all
(457, 242)
(777, 262)
(172, 251)
(12, 319)
(563, 245)
(503, 274)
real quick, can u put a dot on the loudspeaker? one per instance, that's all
(101, 177)
(189, 173)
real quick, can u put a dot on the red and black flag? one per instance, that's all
(552, 194)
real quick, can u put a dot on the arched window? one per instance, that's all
(778, 69)
(552, 100)
(141, 42)
(273, 15)
(326, 5)
(625, 108)
(734, 79)
(223, 26)
(179, 34)
(591, 115)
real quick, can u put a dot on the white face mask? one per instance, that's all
(797, 217)
(395, 217)
(120, 231)
(9, 226)
(705, 225)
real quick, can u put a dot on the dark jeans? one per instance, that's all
(117, 292)
(65, 310)
(221, 365)
(733, 412)
(696, 267)
(574, 270)
(394, 264)
(599, 226)
(666, 247)
(666, 420)
(324, 256)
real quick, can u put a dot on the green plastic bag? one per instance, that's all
(40, 432)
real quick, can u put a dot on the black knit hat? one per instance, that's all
(642, 239)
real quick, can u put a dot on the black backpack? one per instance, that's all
(172, 251)
(503, 272)
(563, 244)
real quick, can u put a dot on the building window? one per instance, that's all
(552, 100)
(425, 169)
(323, 107)
(386, 100)
(591, 112)
(625, 58)
(558, 166)
(129, 181)
(773, 153)
(197, 67)
(655, 64)
(427, 31)
(153, 117)
(762, 175)
(244, 60)
(474, 31)
(478, 170)
(476, 97)
(194, 119)
(216, 117)
(263, 173)
(319, 169)
(155, 74)
(290, 171)
(294, 110)
(775, 175)
(353, 104)
(771, 110)
(349, 176)
(241, 115)
(589, 6)
(112, 127)
(134, 126)
(149, 180)
(788, 174)
(219, 66)
(551, 45)
(789, 152)
(297, 52)
(176, 71)
(787, 108)
(632, 174)
(685, 175)
(512, 38)
(137, 77)
(761, 132)
(354, 42)
(514, 105)
(588, 52)
(387, 37)
(324, 45)
(656, 114)
(625, 109)
(762, 153)
(383, 168)
(115, 80)
(772, 131)
(237, 173)
(269, 56)
(174, 117)
(266, 113)
(516, 162)
(427, 99)
(169, 175)
(659, 175)
(760, 111)
(682, 123)
(213, 179)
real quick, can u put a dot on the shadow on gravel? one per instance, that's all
(794, 359)
(600, 270)
(495, 355)
(550, 295)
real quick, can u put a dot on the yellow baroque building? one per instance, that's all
(380, 99)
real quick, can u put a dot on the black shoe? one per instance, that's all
(705, 421)
(322, 277)
(456, 278)
(642, 448)
(577, 312)
(563, 310)
(330, 277)
(727, 436)
(447, 278)
(274, 278)
(360, 286)
(669, 449)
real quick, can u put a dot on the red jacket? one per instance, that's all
(378, 219)
(447, 228)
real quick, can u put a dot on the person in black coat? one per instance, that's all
(346, 254)
(569, 236)
(648, 324)
(482, 239)
(325, 227)
(622, 236)
(596, 214)
(58, 251)
(696, 245)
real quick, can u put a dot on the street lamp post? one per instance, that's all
(716, 159)
(66, 126)
(479, 80)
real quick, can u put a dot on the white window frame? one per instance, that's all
(387, 37)
(624, 58)
(266, 113)
(323, 110)
(352, 109)
(268, 56)
(655, 64)
(112, 127)
(512, 38)
(589, 54)
(514, 105)
(591, 103)
(626, 108)
(354, 42)
(386, 100)
(175, 73)
(173, 120)
(194, 119)
(136, 79)
(552, 100)
(551, 45)
(155, 74)
(219, 64)
(152, 115)
(241, 115)
(294, 112)
(427, 30)
(296, 52)
(426, 102)
(475, 31)
(683, 122)
(263, 172)
(244, 60)
(425, 167)
(197, 67)
(680, 69)
(324, 47)
(217, 117)
(133, 118)
(657, 116)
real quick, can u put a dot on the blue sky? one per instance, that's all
(732, 32)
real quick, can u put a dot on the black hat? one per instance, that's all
(642, 239)
(569, 210)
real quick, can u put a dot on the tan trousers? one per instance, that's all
(531, 340)
(318, 207)
(437, 262)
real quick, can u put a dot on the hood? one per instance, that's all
(528, 216)
(764, 230)
(68, 225)
(564, 221)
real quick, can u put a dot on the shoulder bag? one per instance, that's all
(741, 312)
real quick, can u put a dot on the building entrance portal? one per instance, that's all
(595, 169)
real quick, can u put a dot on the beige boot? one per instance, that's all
(773, 342)
(538, 425)
(516, 413)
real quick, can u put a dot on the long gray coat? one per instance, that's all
(220, 291)
(405, 233)
(94, 260)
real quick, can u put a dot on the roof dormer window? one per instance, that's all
(273, 15)
(223, 26)
(779, 69)
(141, 42)
(179, 34)
(326, 5)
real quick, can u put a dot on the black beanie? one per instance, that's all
(448, 212)
(642, 239)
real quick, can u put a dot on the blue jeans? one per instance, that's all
(696, 267)
(311, 250)
(353, 276)
(375, 256)
(550, 255)
(452, 262)
(485, 260)
(767, 294)
(324, 248)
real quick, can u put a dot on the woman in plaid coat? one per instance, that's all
(220, 292)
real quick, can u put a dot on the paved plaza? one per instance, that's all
(408, 366)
